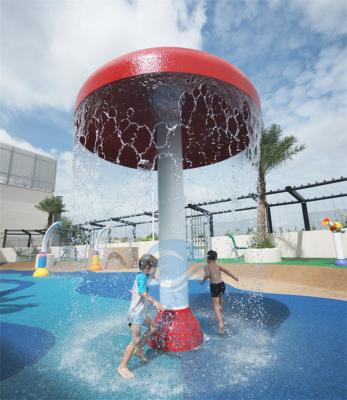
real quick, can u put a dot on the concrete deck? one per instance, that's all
(268, 278)
(286, 279)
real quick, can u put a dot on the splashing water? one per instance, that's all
(219, 125)
(91, 355)
(129, 122)
(91, 351)
(121, 122)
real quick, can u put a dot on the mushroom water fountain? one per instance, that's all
(169, 109)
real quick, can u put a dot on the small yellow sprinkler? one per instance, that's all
(41, 269)
(95, 265)
(41, 266)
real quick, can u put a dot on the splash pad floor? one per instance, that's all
(63, 336)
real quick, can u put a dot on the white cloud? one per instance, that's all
(324, 16)
(313, 108)
(50, 48)
(230, 15)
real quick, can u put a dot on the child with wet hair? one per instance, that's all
(217, 286)
(137, 314)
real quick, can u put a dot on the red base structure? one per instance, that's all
(177, 330)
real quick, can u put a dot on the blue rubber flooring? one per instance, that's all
(62, 338)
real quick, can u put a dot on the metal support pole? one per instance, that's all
(172, 233)
(211, 225)
(269, 219)
(29, 240)
(134, 232)
(5, 237)
(302, 200)
(305, 215)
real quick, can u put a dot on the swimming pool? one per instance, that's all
(62, 337)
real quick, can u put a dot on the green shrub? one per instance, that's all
(267, 243)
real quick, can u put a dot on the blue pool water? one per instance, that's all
(62, 337)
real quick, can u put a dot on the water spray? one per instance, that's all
(95, 264)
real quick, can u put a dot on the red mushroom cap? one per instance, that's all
(119, 107)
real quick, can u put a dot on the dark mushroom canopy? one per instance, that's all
(120, 107)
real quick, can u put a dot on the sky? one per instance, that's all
(294, 52)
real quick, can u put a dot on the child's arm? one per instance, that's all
(206, 276)
(142, 289)
(229, 273)
(156, 303)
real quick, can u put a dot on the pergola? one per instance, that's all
(203, 210)
(22, 232)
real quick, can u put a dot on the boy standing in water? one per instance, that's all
(137, 314)
(217, 286)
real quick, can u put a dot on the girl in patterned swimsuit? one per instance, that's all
(137, 314)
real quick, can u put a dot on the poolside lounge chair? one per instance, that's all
(235, 246)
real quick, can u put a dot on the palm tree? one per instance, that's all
(52, 205)
(274, 151)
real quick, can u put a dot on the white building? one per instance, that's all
(26, 178)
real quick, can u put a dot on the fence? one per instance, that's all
(22, 168)
(207, 219)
